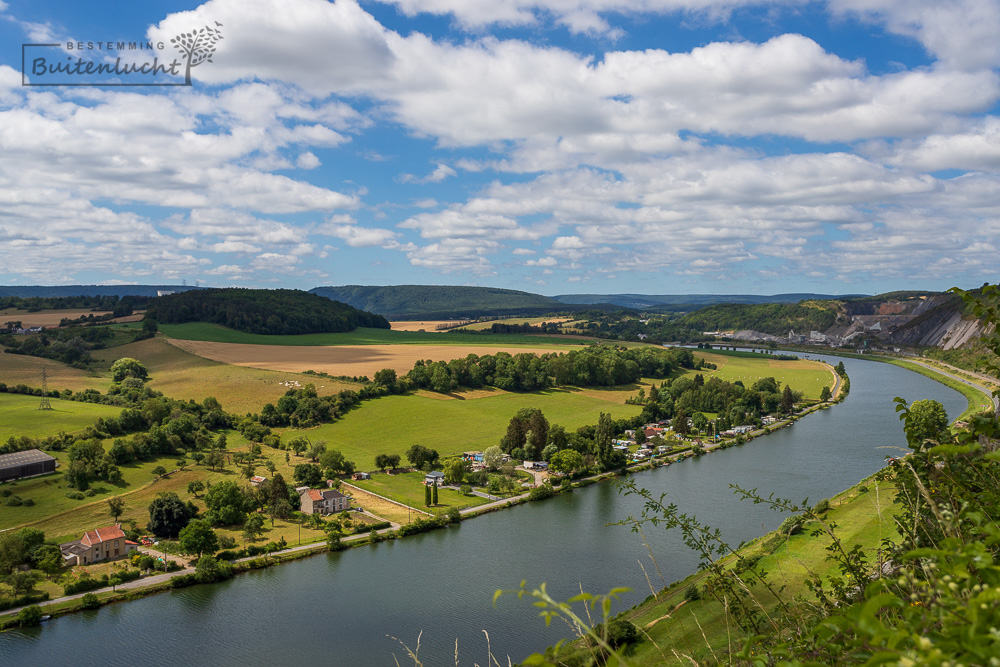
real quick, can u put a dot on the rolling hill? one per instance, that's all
(440, 301)
(261, 311)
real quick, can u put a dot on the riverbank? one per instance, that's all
(152, 585)
(682, 624)
(441, 582)
(139, 588)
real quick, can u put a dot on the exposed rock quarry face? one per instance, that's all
(941, 327)
(894, 308)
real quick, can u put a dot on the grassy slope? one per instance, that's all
(220, 334)
(19, 415)
(809, 377)
(861, 518)
(183, 375)
(390, 425)
(22, 369)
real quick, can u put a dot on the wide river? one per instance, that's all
(347, 608)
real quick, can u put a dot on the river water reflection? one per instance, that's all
(345, 608)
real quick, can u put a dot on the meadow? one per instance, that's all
(806, 376)
(19, 415)
(392, 424)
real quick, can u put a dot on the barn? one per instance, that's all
(25, 464)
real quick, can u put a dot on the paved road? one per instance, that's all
(160, 578)
(965, 381)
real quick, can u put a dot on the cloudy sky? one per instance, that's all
(553, 146)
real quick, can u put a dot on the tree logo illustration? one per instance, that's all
(197, 46)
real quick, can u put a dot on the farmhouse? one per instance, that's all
(97, 545)
(25, 464)
(361, 475)
(329, 501)
(434, 477)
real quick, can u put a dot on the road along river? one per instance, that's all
(344, 608)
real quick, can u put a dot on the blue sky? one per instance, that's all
(553, 146)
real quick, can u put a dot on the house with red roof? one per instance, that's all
(98, 545)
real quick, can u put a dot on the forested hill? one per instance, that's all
(279, 311)
(772, 318)
(440, 301)
(675, 302)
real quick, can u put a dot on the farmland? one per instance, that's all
(449, 423)
(345, 360)
(204, 331)
(52, 318)
(809, 377)
(420, 325)
(482, 326)
(180, 374)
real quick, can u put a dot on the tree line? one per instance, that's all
(120, 306)
(593, 366)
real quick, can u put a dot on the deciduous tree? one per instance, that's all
(168, 514)
(116, 506)
(198, 537)
(127, 367)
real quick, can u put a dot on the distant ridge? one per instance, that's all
(440, 301)
(89, 290)
(666, 301)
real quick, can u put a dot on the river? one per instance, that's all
(344, 608)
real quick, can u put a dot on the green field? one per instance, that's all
(19, 415)
(408, 488)
(220, 334)
(392, 424)
(809, 377)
